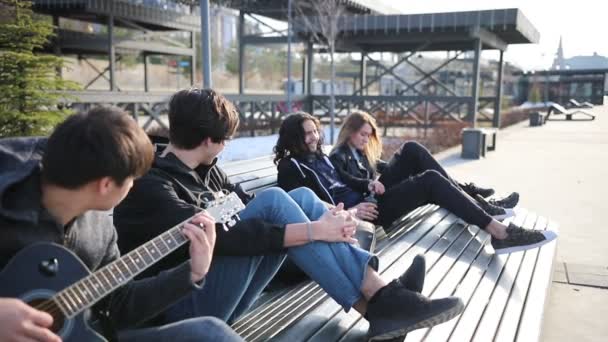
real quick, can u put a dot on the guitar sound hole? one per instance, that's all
(49, 307)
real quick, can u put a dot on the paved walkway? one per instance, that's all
(561, 172)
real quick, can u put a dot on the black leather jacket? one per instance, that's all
(355, 174)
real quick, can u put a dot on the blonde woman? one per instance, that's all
(347, 177)
(357, 158)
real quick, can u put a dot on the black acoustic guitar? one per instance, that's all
(51, 278)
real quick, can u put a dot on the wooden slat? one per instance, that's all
(468, 320)
(531, 319)
(440, 258)
(440, 237)
(410, 238)
(486, 329)
(510, 320)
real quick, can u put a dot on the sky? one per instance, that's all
(581, 23)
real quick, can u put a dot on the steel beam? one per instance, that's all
(475, 87)
(488, 38)
(111, 52)
(205, 44)
(498, 101)
(241, 52)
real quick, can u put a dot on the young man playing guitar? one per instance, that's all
(58, 190)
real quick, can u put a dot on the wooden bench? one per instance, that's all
(557, 109)
(505, 296)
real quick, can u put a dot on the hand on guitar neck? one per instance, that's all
(202, 242)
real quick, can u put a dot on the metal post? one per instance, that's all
(309, 67)
(497, 102)
(288, 56)
(193, 59)
(241, 52)
(146, 79)
(205, 44)
(111, 52)
(475, 91)
(546, 92)
(362, 72)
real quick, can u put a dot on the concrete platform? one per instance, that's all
(561, 172)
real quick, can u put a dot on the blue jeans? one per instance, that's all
(194, 329)
(234, 283)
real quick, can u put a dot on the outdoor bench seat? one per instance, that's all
(557, 109)
(505, 295)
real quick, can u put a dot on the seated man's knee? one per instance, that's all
(273, 193)
(301, 193)
(207, 329)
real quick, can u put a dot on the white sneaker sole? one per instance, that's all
(508, 213)
(549, 236)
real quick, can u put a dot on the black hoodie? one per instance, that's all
(24, 221)
(168, 194)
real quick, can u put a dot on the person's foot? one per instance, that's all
(472, 190)
(394, 311)
(496, 212)
(506, 202)
(413, 278)
(520, 239)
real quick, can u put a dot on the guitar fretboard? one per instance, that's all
(86, 292)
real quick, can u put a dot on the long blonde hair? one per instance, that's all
(352, 124)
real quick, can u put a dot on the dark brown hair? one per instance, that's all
(103, 142)
(291, 140)
(196, 114)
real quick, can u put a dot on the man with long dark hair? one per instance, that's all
(301, 162)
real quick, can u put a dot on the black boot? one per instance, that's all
(413, 278)
(394, 311)
(471, 189)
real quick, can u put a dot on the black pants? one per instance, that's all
(414, 178)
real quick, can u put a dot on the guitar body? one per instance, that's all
(39, 271)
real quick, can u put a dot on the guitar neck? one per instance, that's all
(86, 292)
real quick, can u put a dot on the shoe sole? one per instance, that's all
(549, 236)
(426, 323)
(508, 213)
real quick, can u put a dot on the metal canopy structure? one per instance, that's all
(442, 31)
(277, 9)
(426, 95)
(149, 18)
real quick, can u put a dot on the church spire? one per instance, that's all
(558, 61)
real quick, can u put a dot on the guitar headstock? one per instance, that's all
(224, 208)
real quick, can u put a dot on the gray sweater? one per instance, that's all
(23, 221)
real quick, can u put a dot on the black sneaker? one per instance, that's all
(394, 311)
(506, 202)
(496, 212)
(413, 278)
(520, 239)
(473, 190)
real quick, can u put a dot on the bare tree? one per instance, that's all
(321, 19)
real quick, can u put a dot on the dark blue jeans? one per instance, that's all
(234, 283)
(195, 329)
